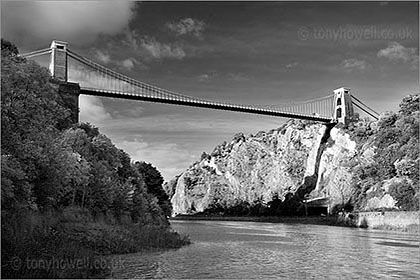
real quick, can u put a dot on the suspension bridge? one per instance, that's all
(102, 81)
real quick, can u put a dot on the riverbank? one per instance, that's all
(405, 221)
(314, 220)
(75, 244)
(400, 221)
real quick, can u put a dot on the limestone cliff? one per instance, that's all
(305, 160)
(251, 169)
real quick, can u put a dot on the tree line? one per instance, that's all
(47, 162)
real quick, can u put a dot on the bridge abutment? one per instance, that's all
(70, 93)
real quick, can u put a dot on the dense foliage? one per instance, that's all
(45, 166)
(395, 168)
(154, 183)
(49, 165)
(30, 116)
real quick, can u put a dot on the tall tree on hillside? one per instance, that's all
(154, 180)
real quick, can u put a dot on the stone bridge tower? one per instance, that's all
(58, 62)
(59, 70)
(343, 105)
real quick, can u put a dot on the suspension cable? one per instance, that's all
(36, 53)
(296, 103)
(363, 104)
(364, 110)
(124, 78)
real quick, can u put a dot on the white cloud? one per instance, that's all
(26, 22)
(292, 65)
(160, 50)
(128, 63)
(397, 52)
(131, 37)
(354, 64)
(169, 158)
(92, 110)
(237, 77)
(148, 48)
(207, 76)
(203, 77)
(126, 109)
(187, 26)
(103, 56)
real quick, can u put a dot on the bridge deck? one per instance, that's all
(202, 104)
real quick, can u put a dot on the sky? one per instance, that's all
(241, 52)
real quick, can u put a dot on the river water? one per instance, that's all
(247, 250)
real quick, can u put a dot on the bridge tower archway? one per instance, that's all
(343, 106)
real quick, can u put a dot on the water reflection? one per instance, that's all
(238, 250)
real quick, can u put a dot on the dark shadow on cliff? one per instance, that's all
(293, 204)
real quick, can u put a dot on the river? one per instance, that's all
(246, 250)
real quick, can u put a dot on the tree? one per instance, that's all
(409, 104)
(15, 188)
(139, 207)
(30, 113)
(8, 48)
(396, 156)
(405, 195)
(153, 180)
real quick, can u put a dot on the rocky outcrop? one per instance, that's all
(302, 159)
(251, 168)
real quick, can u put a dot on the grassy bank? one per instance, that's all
(63, 245)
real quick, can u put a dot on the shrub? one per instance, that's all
(405, 195)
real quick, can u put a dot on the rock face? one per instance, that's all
(250, 169)
(308, 159)
(334, 169)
